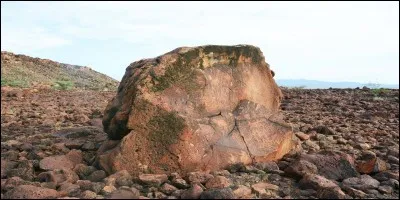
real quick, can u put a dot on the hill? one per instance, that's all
(25, 71)
(313, 84)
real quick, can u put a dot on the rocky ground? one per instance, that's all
(347, 148)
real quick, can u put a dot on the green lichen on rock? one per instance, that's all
(234, 52)
(180, 73)
(165, 129)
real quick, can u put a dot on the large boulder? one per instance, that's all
(191, 109)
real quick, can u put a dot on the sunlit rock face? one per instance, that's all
(200, 108)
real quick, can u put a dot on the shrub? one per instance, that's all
(379, 91)
(64, 85)
(14, 83)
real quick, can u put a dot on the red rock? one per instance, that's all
(193, 109)
(56, 162)
(369, 163)
(333, 165)
(302, 136)
(87, 194)
(153, 179)
(111, 180)
(263, 188)
(59, 176)
(124, 194)
(316, 182)
(75, 156)
(31, 192)
(242, 192)
(192, 193)
(299, 168)
(168, 188)
(331, 193)
(199, 177)
(218, 182)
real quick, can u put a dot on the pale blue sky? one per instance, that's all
(329, 41)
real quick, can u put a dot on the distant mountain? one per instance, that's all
(24, 71)
(313, 84)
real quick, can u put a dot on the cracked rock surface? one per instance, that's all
(201, 108)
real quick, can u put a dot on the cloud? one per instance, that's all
(316, 35)
(23, 40)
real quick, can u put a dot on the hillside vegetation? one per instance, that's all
(24, 71)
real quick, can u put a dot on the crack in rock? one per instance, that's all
(248, 150)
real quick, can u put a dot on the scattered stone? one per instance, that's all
(283, 164)
(121, 178)
(98, 187)
(263, 188)
(392, 183)
(88, 146)
(58, 176)
(312, 144)
(8, 184)
(364, 182)
(300, 168)
(23, 169)
(153, 179)
(324, 130)
(316, 182)
(302, 136)
(56, 162)
(333, 165)
(50, 185)
(108, 189)
(354, 192)
(84, 171)
(74, 144)
(180, 183)
(366, 163)
(386, 175)
(6, 166)
(168, 188)
(125, 194)
(11, 155)
(26, 146)
(341, 141)
(84, 184)
(69, 189)
(363, 146)
(331, 193)
(199, 177)
(393, 151)
(242, 191)
(160, 195)
(97, 176)
(225, 193)
(75, 156)
(193, 192)
(218, 182)
(393, 159)
(31, 192)
(87, 194)
(385, 189)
